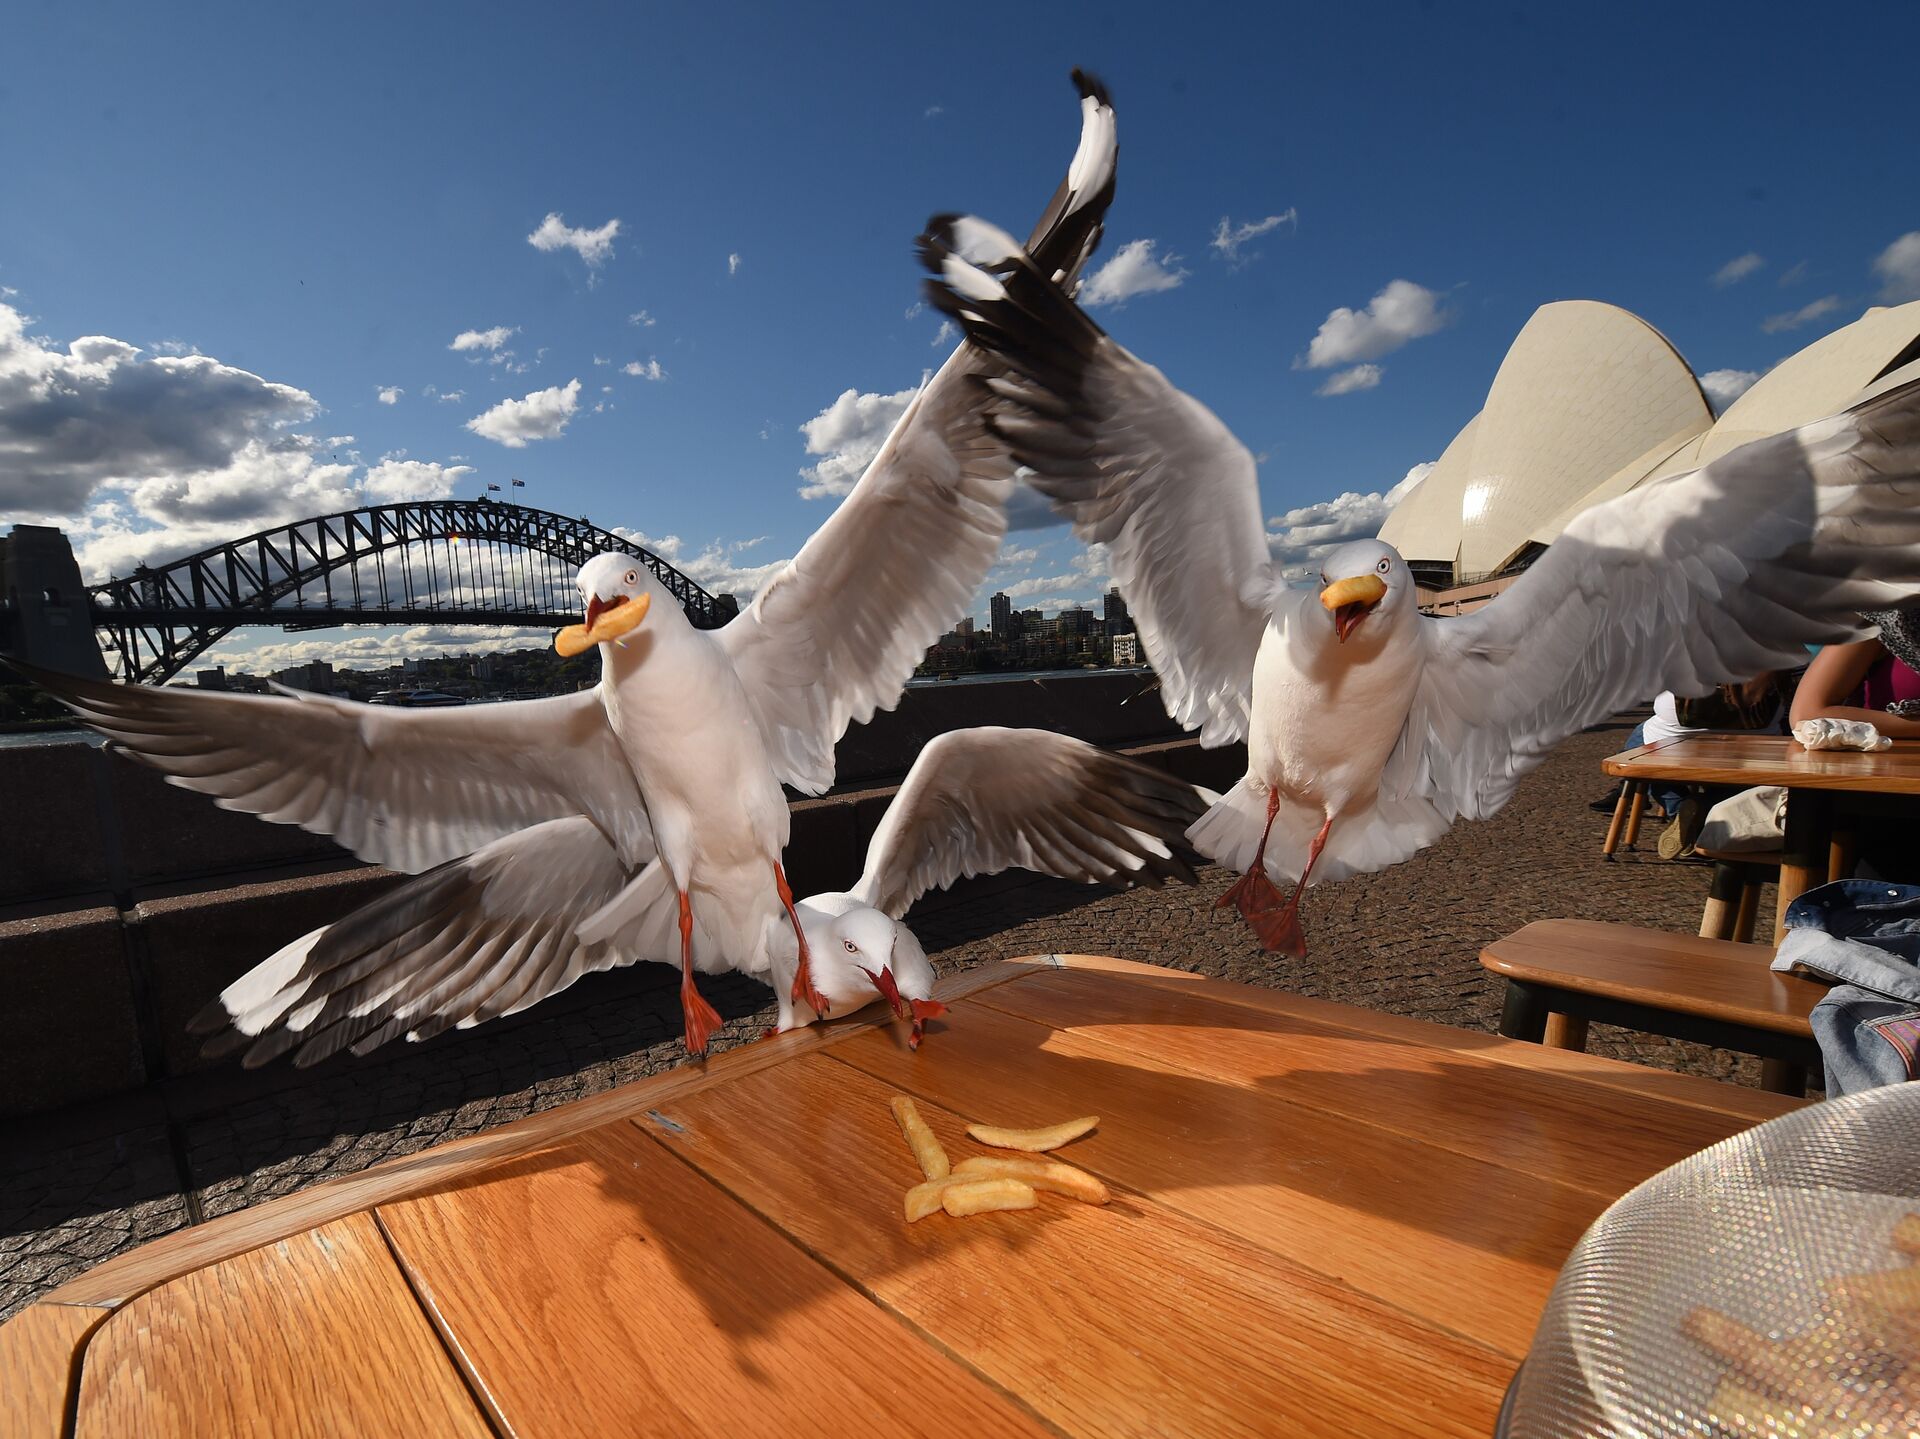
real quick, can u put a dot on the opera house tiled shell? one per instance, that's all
(1592, 402)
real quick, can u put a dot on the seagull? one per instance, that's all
(1371, 728)
(664, 780)
(979, 801)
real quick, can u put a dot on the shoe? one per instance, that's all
(1676, 840)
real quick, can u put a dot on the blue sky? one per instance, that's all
(320, 201)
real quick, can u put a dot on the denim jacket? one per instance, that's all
(1864, 936)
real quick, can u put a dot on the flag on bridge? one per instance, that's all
(521, 483)
(495, 489)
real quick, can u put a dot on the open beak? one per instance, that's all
(923, 1010)
(889, 991)
(1351, 601)
(607, 620)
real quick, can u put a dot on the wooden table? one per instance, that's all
(1326, 1221)
(1811, 778)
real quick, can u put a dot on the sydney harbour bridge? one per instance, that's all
(444, 562)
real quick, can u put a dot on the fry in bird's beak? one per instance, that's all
(1351, 601)
(607, 620)
(923, 1010)
(883, 981)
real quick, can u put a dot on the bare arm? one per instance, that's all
(1832, 677)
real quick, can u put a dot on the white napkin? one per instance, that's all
(1839, 734)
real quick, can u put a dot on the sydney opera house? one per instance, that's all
(1591, 402)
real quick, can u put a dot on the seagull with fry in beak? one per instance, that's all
(1370, 728)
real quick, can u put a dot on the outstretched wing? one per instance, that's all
(835, 635)
(468, 941)
(978, 801)
(1705, 578)
(1135, 463)
(406, 788)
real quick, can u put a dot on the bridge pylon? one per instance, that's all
(46, 614)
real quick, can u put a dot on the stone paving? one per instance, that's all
(76, 1188)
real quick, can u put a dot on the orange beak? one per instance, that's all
(1351, 601)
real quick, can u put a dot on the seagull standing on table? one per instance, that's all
(562, 836)
(1371, 728)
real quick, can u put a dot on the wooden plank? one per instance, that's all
(1661, 1084)
(1745, 760)
(40, 1349)
(1717, 979)
(119, 1279)
(604, 1287)
(1471, 1247)
(1128, 1319)
(315, 1335)
(1560, 1129)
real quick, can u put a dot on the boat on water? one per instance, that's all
(416, 699)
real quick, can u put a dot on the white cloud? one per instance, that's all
(376, 649)
(847, 435)
(649, 371)
(593, 246)
(1792, 275)
(1300, 539)
(542, 415)
(1403, 311)
(1806, 314)
(933, 110)
(395, 479)
(640, 318)
(714, 566)
(915, 308)
(160, 347)
(1345, 382)
(733, 263)
(96, 413)
(1229, 237)
(453, 395)
(1134, 270)
(1737, 269)
(390, 394)
(1898, 267)
(1723, 387)
(945, 333)
(483, 339)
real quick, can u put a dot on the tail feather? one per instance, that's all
(1360, 841)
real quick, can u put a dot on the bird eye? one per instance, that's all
(1385, 565)
(851, 947)
(633, 577)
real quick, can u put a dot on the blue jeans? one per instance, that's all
(1668, 800)
(1865, 936)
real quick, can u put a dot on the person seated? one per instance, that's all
(1754, 704)
(1876, 680)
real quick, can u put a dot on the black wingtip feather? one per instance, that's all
(1091, 86)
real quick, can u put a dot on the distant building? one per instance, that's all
(965, 627)
(316, 677)
(213, 679)
(1126, 650)
(1000, 608)
(1119, 622)
(1076, 620)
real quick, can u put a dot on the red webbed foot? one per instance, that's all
(702, 1019)
(1272, 916)
(805, 993)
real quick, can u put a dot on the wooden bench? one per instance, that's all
(1711, 991)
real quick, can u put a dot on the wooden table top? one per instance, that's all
(1325, 1221)
(1756, 759)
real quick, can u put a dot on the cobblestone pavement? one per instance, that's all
(76, 1189)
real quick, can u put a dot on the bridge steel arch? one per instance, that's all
(450, 561)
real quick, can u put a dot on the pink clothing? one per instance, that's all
(1888, 681)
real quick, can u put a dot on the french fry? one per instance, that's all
(1740, 1408)
(1048, 1174)
(1034, 1141)
(985, 1196)
(1894, 1290)
(1906, 1236)
(924, 1198)
(926, 1149)
(1769, 1364)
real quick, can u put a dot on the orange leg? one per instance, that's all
(702, 1019)
(803, 976)
(1292, 940)
(1258, 898)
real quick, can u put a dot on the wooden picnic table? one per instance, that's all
(1811, 778)
(1325, 1221)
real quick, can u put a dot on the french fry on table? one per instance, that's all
(1048, 1174)
(984, 1196)
(1034, 1140)
(926, 1149)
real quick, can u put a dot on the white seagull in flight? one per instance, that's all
(677, 756)
(1371, 728)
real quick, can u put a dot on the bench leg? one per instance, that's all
(1635, 804)
(1524, 1013)
(1749, 910)
(1618, 824)
(1779, 1077)
(1565, 1031)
